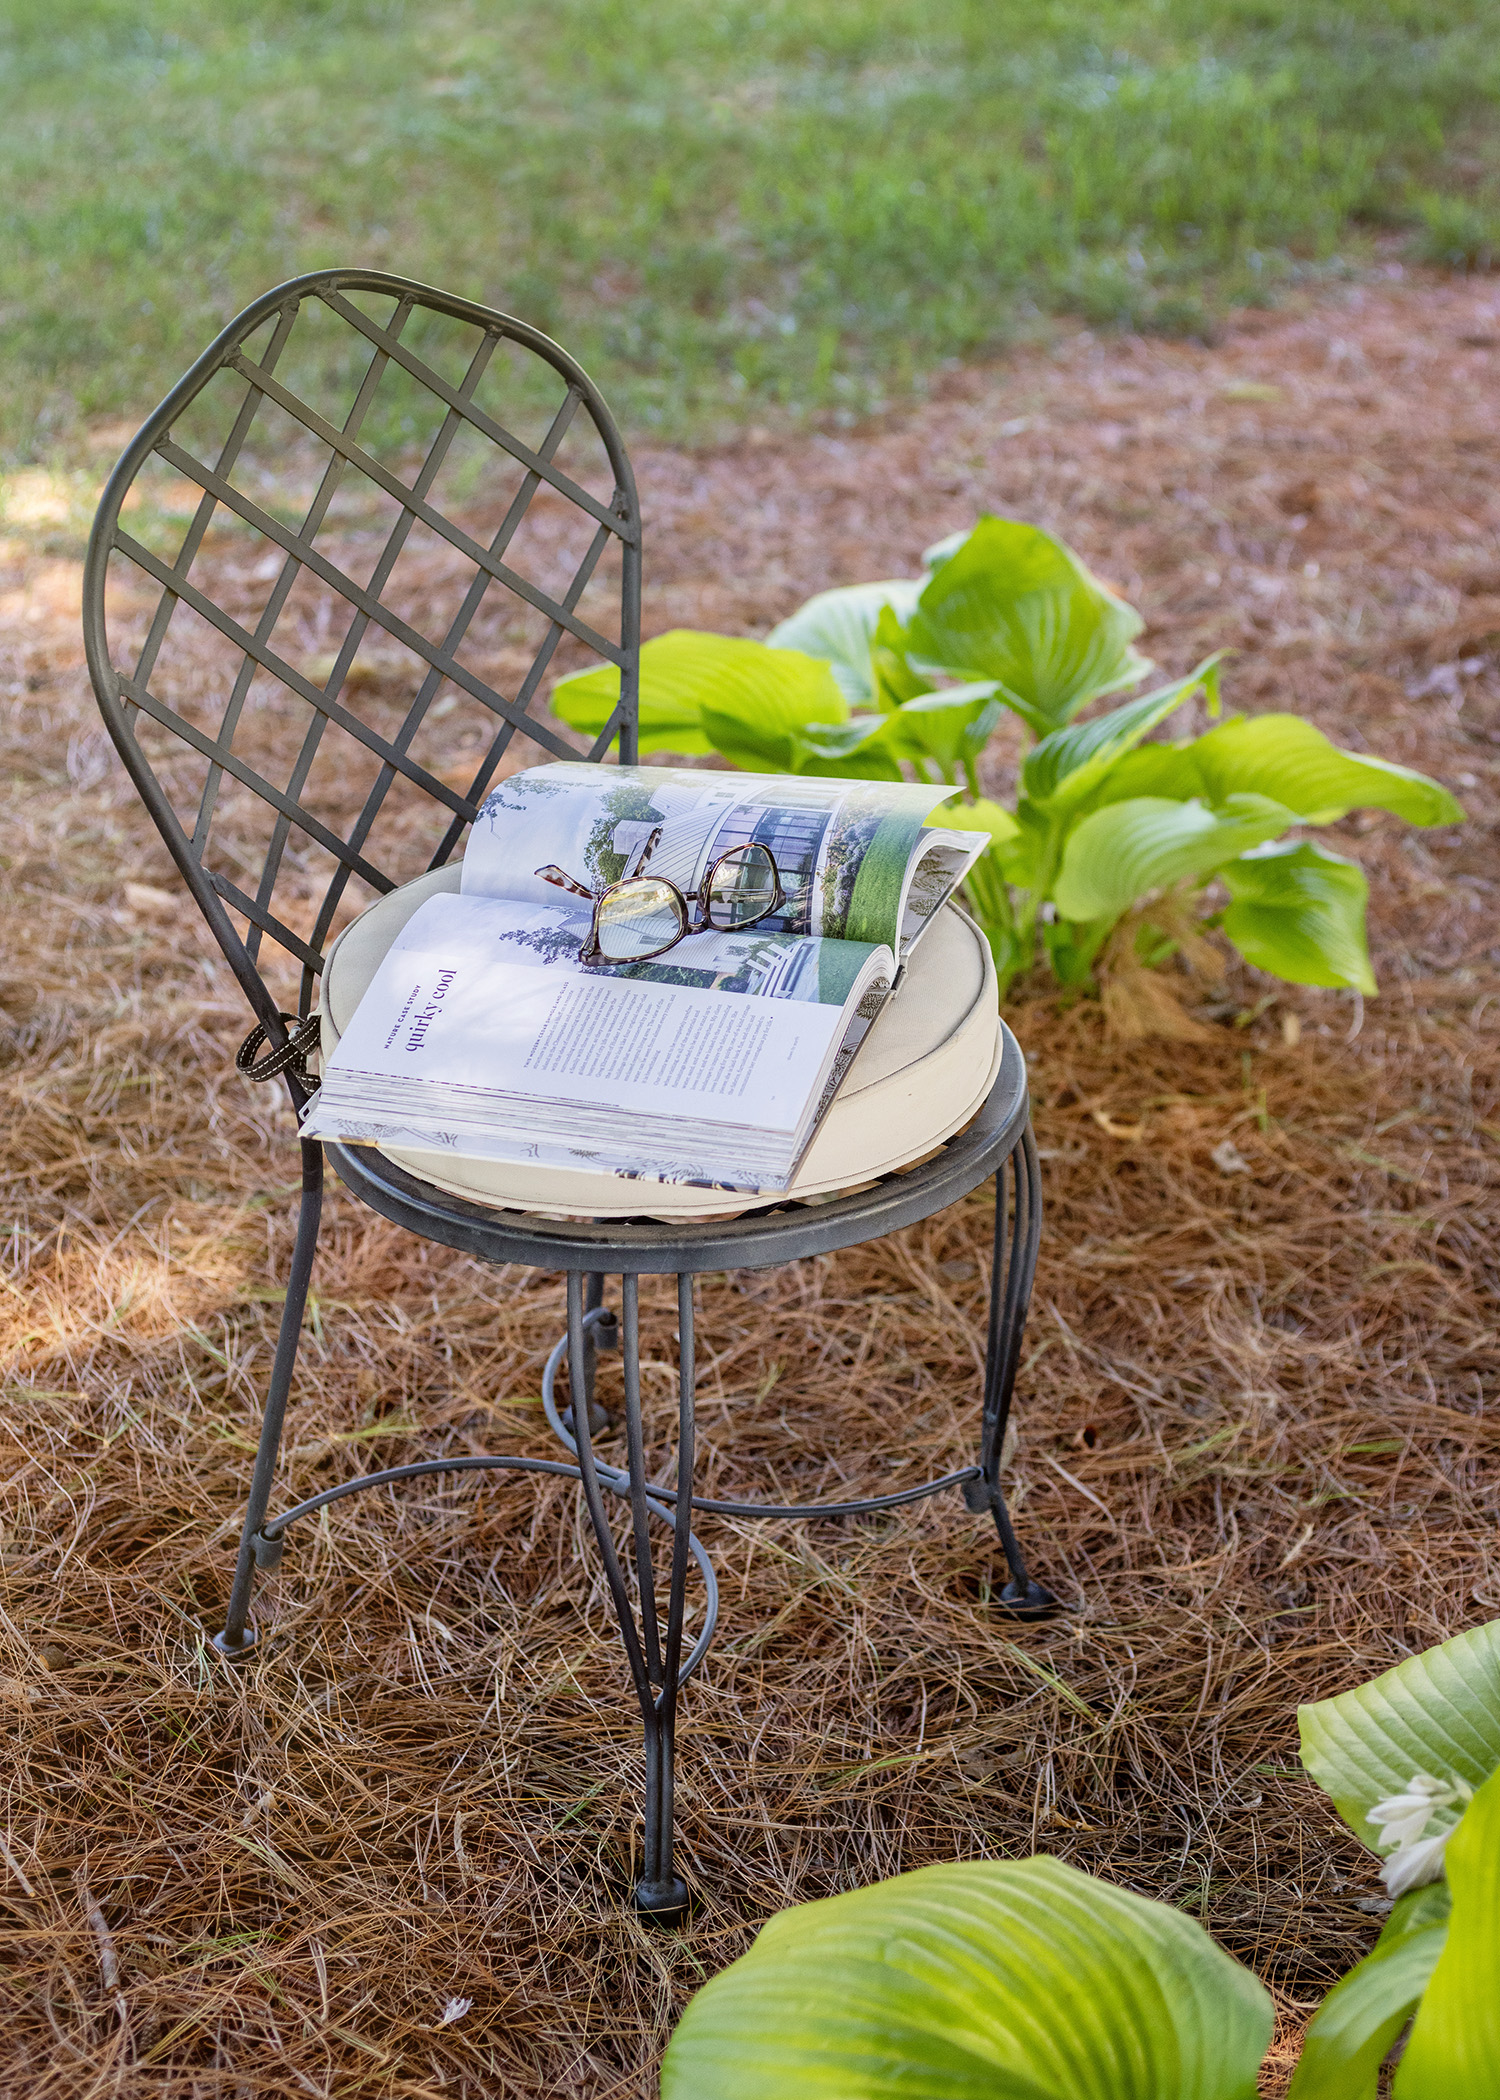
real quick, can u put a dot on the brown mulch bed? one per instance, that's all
(1254, 1447)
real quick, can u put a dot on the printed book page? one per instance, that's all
(853, 856)
(481, 1033)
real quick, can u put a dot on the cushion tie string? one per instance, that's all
(302, 1035)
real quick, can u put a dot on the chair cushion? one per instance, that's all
(925, 1068)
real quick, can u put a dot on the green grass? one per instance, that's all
(727, 207)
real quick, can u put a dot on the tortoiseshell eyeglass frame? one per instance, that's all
(590, 951)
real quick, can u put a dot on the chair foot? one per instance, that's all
(1027, 1600)
(235, 1651)
(663, 1902)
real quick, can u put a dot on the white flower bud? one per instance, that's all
(1405, 1816)
(1415, 1860)
(1413, 1866)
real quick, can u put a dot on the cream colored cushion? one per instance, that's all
(925, 1068)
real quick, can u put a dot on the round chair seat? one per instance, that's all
(924, 1070)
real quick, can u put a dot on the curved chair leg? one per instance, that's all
(603, 1333)
(655, 1662)
(660, 1891)
(1011, 1279)
(238, 1636)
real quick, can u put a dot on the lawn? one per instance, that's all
(748, 209)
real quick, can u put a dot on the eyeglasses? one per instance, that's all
(641, 916)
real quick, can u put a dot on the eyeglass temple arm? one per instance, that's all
(553, 873)
(638, 856)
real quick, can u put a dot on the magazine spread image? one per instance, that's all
(760, 922)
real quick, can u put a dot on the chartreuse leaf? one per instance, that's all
(1356, 2026)
(680, 670)
(1009, 1980)
(1454, 2051)
(979, 816)
(839, 627)
(944, 549)
(1299, 912)
(1292, 762)
(1282, 757)
(672, 669)
(951, 727)
(768, 724)
(1438, 1712)
(1014, 604)
(758, 694)
(1120, 854)
(1065, 767)
(890, 668)
(1152, 769)
(863, 748)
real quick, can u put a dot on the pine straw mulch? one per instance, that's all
(1253, 1437)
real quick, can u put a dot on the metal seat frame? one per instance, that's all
(996, 1143)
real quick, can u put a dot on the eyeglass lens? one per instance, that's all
(742, 888)
(639, 918)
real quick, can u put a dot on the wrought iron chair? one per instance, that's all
(312, 669)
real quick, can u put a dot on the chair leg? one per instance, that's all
(237, 1639)
(661, 1892)
(655, 1662)
(1011, 1279)
(604, 1335)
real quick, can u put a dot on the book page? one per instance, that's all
(757, 960)
(934, 877)
(843, 849)
(457, 1006)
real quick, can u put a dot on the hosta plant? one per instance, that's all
(1024, 1979)
(1412, 1762)
(1029, 1980)
(1119, 853)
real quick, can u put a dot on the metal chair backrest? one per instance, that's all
(326, 583)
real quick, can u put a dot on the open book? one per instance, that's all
(497, 1028)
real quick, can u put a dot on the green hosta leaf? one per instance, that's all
(1169, 770)
(1014, 604)
(1356, 2026)
(757, 696)
(772, 738)
(1285, 758)
(671, 680)
(1292, 762)
(951, 726)
(1438, 1712)
(1454, 2051)
(1120, 854)
(839, 627)
(1065, 767)
(683, 669)
(1073, 949)
(890, 667)
(1299, 912)
(976, 816)
(863, 748)
(944, 549)
(1015, 1980)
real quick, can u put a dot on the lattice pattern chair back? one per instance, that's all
(328, 582)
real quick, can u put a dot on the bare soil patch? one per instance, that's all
(1255, 1450)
